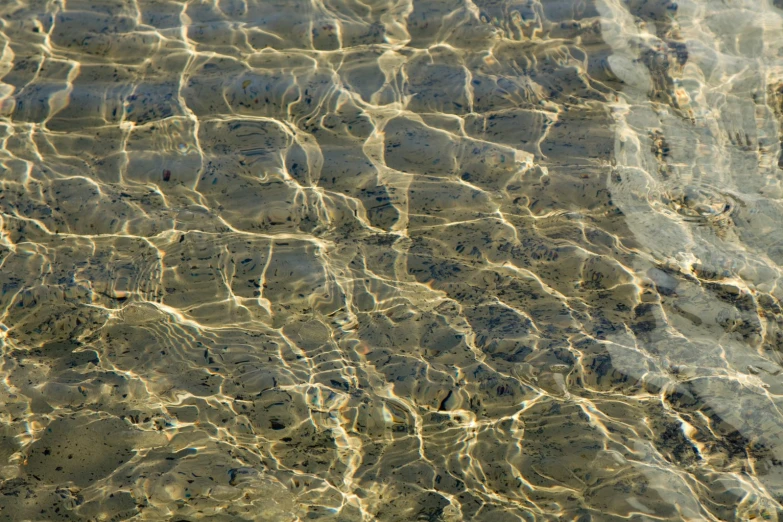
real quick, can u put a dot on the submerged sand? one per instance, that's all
(395, 260)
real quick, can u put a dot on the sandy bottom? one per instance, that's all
(393, 260)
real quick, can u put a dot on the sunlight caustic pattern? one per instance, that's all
(395, 260)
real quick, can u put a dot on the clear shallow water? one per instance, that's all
(391, 260)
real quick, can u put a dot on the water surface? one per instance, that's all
(394, 260)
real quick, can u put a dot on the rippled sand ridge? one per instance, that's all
(391, 260)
